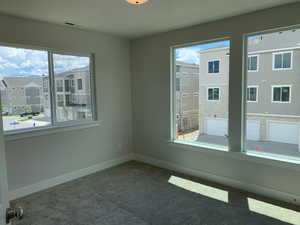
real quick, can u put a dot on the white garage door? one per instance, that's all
(253, 130)
(285, 132)
(217, 127)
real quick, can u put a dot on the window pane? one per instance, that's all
(210, 67)
(202, 102)
(287, 60)
(276, 94)
(254, 63)
(216, 93)
(216, 66)
(251, 94)
(273, 125)
(285, 94)
(278, 61)
(73, 103)
(24, 88)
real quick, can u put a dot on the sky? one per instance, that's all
(190, 54)
(18, 62)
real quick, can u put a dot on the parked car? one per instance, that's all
(29, 114)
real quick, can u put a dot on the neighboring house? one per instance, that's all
(21, 94)
(72, 95)
(273, 93)
(187, 102)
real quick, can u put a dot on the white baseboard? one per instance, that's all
(252, 188)
(21, 192)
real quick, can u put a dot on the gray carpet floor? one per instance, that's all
(135, 194)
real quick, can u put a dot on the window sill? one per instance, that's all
(15, 135)
(201, 145)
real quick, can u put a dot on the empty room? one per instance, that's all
(150, 112)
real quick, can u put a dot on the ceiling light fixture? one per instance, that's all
(137, 2)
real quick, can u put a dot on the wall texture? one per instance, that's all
(150, 65)
(36, 159)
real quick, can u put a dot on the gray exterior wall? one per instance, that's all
(187, 102)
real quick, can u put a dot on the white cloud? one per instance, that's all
(187, 55)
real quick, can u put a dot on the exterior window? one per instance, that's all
(177, 68)
(252, 94)
(214, 66)
(199, 117)
(59, 85)
(213, 94)
(282, 61)
(253, 63)
(79, 84)
(27, 97)
(272, 124)
(281, 94)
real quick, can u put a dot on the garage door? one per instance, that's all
(285, 132)
(217, 127)
(253, 130)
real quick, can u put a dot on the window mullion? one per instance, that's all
(52, 88)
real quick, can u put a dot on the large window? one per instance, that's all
(252, 63)
(200, 109)
(282, 60)
(272, 129)
(29, 101)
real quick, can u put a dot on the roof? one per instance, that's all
(76, 70)
(14, 82)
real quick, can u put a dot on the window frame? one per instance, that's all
(257, 63)
(252, 86)
(281, 53)
(214, 60)
(54, 125)
(207, 94)
(281, 86)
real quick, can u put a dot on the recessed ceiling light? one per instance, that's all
(137, 2)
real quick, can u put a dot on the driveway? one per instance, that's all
(15, 122)
(259, 146)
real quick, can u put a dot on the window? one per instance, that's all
(79, 84)
(272, 127)
(213, 94)
(59, 85)
(26, 94)
(253, 63)
(199, 117)
(282, 61)
(252, 94)
(214, 66)
(281, 94)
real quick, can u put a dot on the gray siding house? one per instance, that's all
(187, 102)
(21, 94)
(273, 92)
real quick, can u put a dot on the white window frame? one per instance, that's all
(257, 65)
(213, 100)
(213, 60)
(252, 86)
(281, 53)
(56, 126)
(281, 86)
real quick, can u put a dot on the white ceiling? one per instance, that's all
(119, 18)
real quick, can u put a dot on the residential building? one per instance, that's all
(187, 106)
(21, 94)
(72, 90)
(273, 89)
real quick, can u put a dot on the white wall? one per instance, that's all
(150, 57)
(36, 159)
